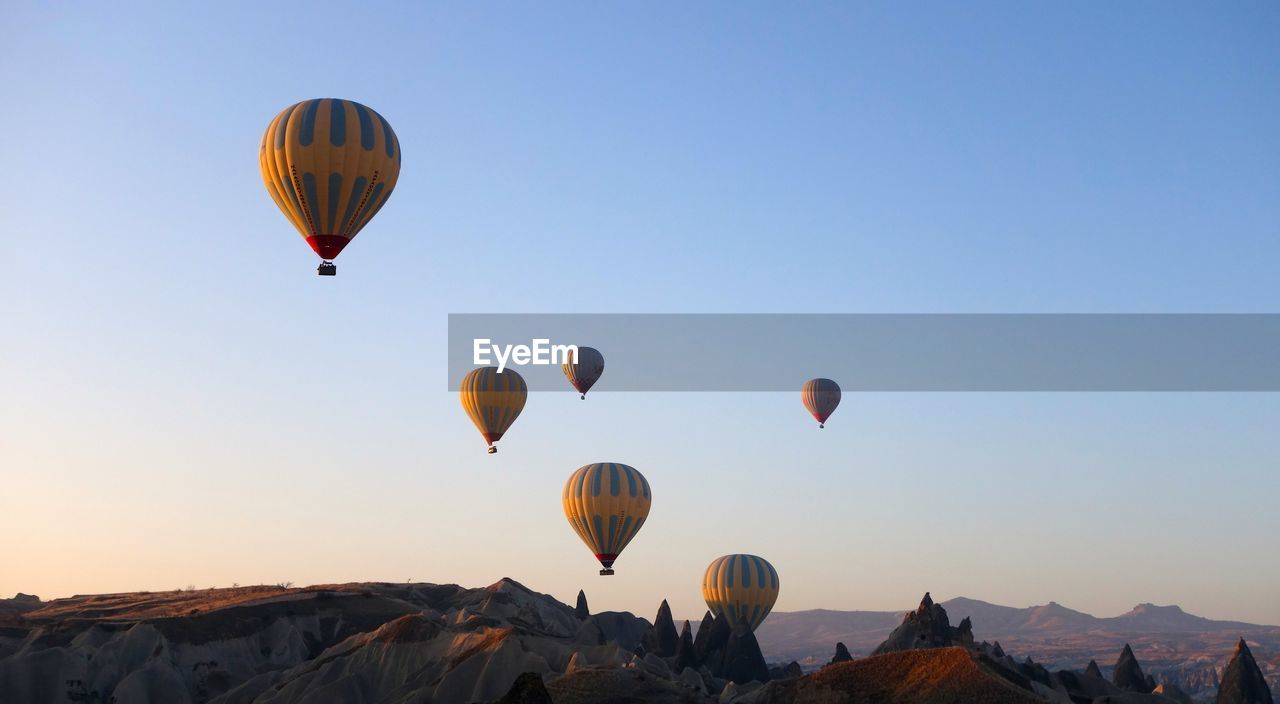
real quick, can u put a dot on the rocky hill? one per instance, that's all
(371, 642)
(350, 642)
(1173, 646)
(949, 674)
(439, 644)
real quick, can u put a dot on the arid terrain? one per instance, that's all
(380, 642)
(1172, 645)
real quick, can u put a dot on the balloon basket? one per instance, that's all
(327, 269)
(492, 450)
(606, 572)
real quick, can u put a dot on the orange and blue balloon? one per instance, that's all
(493, 400)
(742, 588)
(607, 504)
(820, 396)
(330, 165)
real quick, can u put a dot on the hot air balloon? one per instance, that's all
(584, 370)
(606, 503)
(740, 587)
(330, 165)
(820, 396)
(493, 400)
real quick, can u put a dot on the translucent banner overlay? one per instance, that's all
(890, 352)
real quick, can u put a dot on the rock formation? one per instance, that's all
(686, 656)
(1172, 692)
(789, 671)
(711, 640)
(926, 627)
(1093, 670)
(704, 629)
(15, 607)
(273, 645)
(952, 675)
(1082, 687)
(692, 679)
(619, 685)
(742, 662)
(506, 644)
(1128, 674)
(1173, 646)
(662, 639)
(620, 628)
(964, 632)
(1036, 672)
(581, 610)
(1242, 681)
(732, 653)
(590, 633)
(527, 689)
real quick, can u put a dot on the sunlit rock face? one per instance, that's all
(1242, 681)
(274, 645)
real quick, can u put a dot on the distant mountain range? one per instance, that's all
(1054, 617)
(809, 634)
(1170, 642)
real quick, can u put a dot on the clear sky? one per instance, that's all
(182, 400)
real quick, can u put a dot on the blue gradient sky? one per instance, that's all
(184, 401)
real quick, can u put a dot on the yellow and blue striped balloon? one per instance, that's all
(493, 400)
(330, 165)
(607, 504)
(741, 588)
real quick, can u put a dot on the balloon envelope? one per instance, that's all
(493, 400)
(740, 587)
(585, 370)
(606, 503)
(330, 165)
(820, 396)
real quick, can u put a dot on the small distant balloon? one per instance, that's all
(820, 396)
(330, 165)
(607, 504)
(493, 400)
(584, 370)
(742, 588)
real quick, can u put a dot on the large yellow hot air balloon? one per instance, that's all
(330, 165)
(606, 503)
(741, 587)
(493, 400)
